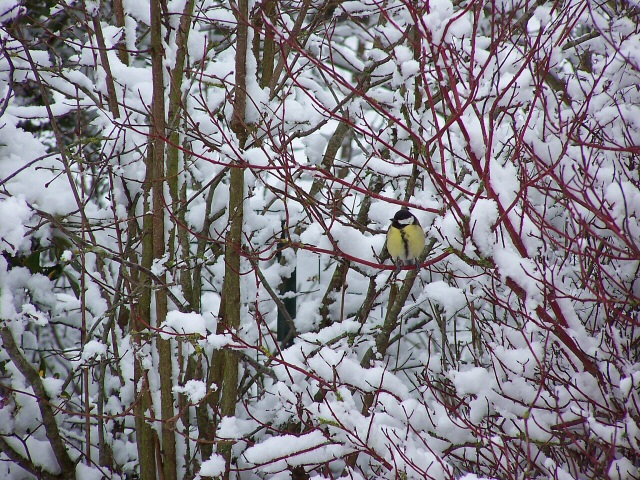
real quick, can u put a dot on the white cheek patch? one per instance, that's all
(406, 221)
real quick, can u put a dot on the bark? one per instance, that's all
(233, 242)
(158, 131)
(58, 444)
(144, 433)
(104, 61)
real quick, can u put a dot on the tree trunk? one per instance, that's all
(234, 236)
(158, 133)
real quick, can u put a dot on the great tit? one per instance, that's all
(405, 238)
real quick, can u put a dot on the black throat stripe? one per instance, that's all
(405, 242)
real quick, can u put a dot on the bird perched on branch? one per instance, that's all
(405, 238)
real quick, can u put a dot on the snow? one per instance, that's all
(234, 428)
(521, 187)
(86, 472)
(521, 270)
(218, 341)
(9, 10)
(92, 349)
(352, 243)
(53, 386)
(293, 450)
(196, 390)
(504, 181)
(441, 22)
(30, 313)
(44, 459)
(482, 221)
(622, 469)
(627, 383)
(137, 10)
(452, 299)
(480, 383)
(213, 467)
(158, 267)
(19, 149)
(183, 324)
(447, 230)
(37, 112)
(315, 146)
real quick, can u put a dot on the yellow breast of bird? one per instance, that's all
(406, 243)
(396, 244)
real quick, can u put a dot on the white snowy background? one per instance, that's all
(510, 128)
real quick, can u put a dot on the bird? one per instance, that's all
(405, 238)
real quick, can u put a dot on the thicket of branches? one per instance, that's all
(193, 201)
